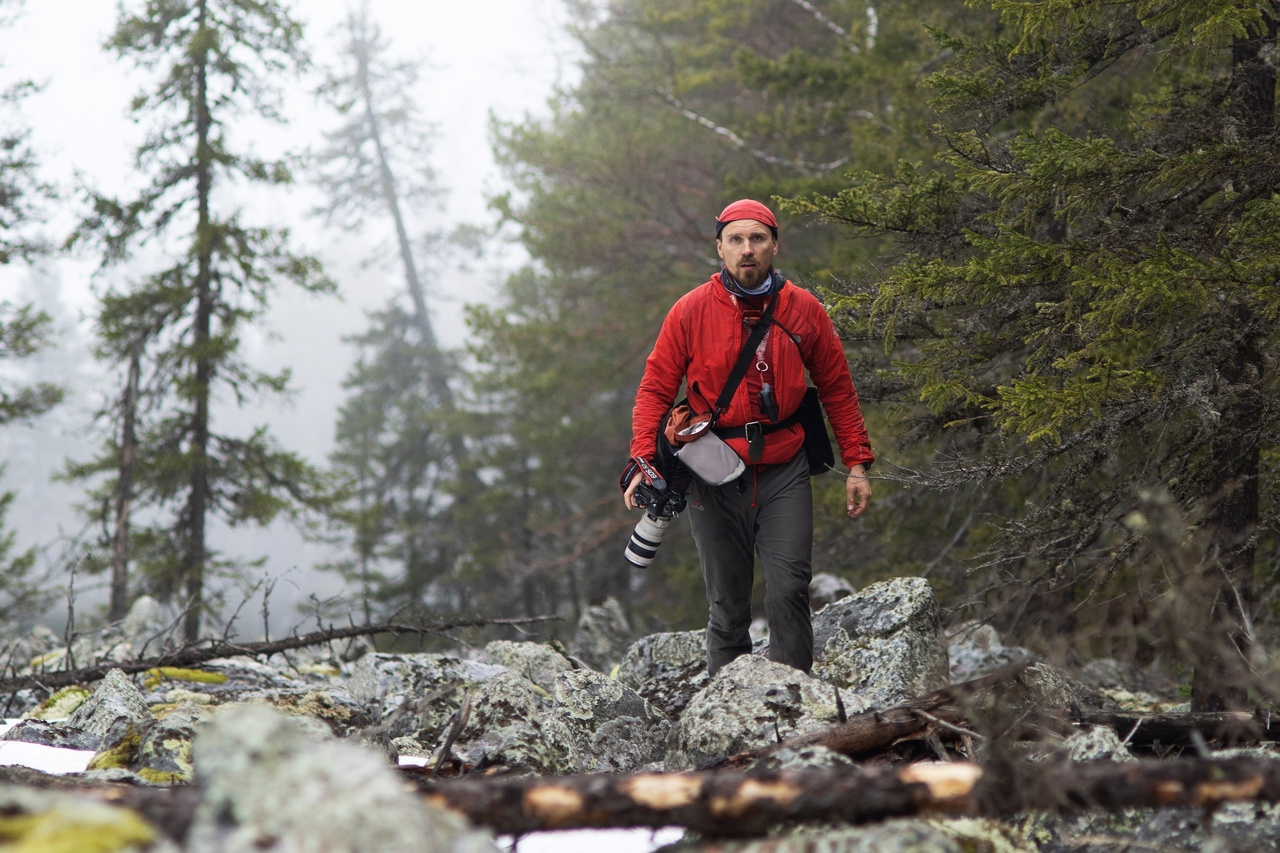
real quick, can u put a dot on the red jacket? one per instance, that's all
(700, 341)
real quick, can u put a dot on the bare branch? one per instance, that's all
(198, 653)
(802, 166)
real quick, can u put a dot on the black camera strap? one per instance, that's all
(744, 358)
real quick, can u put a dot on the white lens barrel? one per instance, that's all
(645, 540)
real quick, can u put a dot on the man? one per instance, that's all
(769, 509)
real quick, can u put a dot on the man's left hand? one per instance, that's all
(857, 489)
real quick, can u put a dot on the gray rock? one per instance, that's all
(603, 635)
(802, 758)
(392, 679)
(113, 700)
(976, 650)
(608, 726)
(148, 628)
(538, 662)
(1044, 687)
(267, 786)
(1231, 828)
(158, 752)
(1097, 743)
(506, 729)
(752, 702)
(667, 669)
(902, 835)
(415, 695)
(884, 642)
(826, 588)
(164, 755)
(333, 706)
(51, 734)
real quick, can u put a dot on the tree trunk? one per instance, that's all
(437, 371)
(193, 524)
(119, 605)
(1226, 650)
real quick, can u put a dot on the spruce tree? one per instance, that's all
(401, 448)
(214, 66)
(1085, 303)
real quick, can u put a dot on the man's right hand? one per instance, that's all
(629, 496)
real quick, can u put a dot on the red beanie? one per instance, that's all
(745, 208)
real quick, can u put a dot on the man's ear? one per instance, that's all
(720, 250)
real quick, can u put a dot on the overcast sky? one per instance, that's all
(500, 57)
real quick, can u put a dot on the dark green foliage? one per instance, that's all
(1085, 298)
(682, 107)
(390, 448)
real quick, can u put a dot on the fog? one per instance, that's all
(501, 58)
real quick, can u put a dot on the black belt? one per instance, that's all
(756, 427)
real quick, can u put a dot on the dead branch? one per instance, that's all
(195, 654)
(872, 732)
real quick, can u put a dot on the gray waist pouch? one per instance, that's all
(711, 460)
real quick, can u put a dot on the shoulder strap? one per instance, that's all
(744, 357)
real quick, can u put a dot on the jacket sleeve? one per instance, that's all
(829, 370)
(664, 371)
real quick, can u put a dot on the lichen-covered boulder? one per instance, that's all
(752, 702)
(884, 642)
(505, 729)
(901, 835)
(976, 650)
(114, 699)
(609, 727)
(333, 706)
(415, 695)
(667, 669)
(158, 752)
(603, 635)
(392, 679)
(802, 758)
(540, 663)
(267, 785)
(1042, 687)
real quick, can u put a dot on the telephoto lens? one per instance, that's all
(645, 540)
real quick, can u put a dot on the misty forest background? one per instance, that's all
(1049, 233)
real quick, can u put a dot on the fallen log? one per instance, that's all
(203, 652)
(1148, 730)
(732, 803)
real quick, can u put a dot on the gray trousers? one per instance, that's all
(768, 511)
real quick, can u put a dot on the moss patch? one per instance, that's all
(120, 756)
(61, 704)
(64, 831)
(173, 673)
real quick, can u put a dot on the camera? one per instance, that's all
(661, 505)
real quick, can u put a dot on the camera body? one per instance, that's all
(660, 505)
